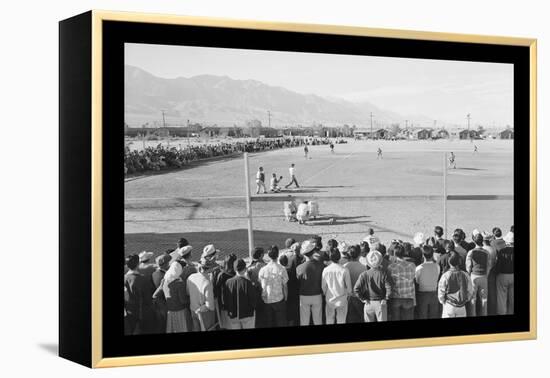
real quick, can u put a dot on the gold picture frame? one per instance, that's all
(98, 17)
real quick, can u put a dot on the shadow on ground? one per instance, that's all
(231, 241)
(51, 348)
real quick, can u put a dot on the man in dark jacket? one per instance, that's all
(505, 277)
(373, 288)
(454, 289)
(309, 275)
(140, 317)
(477, 261)
(240, 298)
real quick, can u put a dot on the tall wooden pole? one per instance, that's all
(248, 207)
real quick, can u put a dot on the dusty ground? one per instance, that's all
(397, 195)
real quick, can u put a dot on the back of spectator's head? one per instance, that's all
(438, 231)
(334, 255)
(239, 265)
(364, 248)
(382, 249)
(449, 246)
(408, 248)
(132, 261)
(457, 236)
(454, 259)
(289, 242)
(428, 252)
(354, 252)
(273, 252)
(228, 262)
(332, 243)
(283, 260)
(478, 239)
(497, 232)
(318, 241)
(182, 242)
(258, 253)
(399, 251)
(370, 231)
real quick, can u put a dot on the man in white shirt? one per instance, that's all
(336, 285)
(292, 173)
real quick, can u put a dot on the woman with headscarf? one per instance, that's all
(177, 303)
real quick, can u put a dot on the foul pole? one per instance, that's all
(248, 207)
(445, 195)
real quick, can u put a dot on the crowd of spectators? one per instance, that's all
(163, 157)
(307, 283)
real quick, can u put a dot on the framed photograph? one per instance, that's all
(235, 189)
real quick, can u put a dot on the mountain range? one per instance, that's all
(223, 101)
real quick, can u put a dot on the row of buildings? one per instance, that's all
(430, 134)
(256, 130)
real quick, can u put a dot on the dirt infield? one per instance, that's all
(397, 195)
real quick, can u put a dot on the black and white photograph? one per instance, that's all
(280, 189)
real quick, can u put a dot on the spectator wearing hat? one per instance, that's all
(218, 283)
(176, 253)
(240, 298)
(403, 298)
(163, 263)
(201, 296)
(159, 301)
(427, 278)
(373, 288)
(355, 268)
(416, 254)
(505, 277)
(477, 266)
(454, 289)
(140, 317)
(289, 259)
(309, 275)
(146, 267)
(184, 255)
(336, 286)
(273, 279)
(253, 271)
(173, 288)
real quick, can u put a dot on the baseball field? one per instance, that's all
(397, 195)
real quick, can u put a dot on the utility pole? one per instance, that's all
(371, 135)
(269, 118)
(188, 144)
(163, 120)
(468, 117)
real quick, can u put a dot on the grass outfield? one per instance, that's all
(397, 195)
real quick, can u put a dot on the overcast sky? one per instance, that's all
(438, 89)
